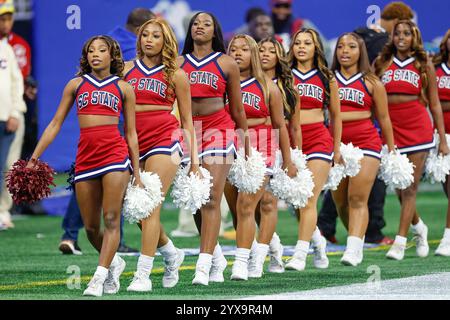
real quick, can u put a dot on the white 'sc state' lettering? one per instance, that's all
(204, 77)
(353, 95)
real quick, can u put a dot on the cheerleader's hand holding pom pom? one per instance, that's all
(143, 195)
(247, 173)
(290, 169)
(352, 157)
(337, 157)
(443, 146)
(191, 188)
(437, 165)
(337, 172)
(296, 190)
(395, 169)
(340, 169)
(29, 181)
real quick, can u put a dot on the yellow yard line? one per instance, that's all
(49, 283)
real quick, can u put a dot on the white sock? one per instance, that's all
(301, 249)
(102, 272)
(217, 254)
(262, 249)
(354, 243)
(400, 240)
(145, 264)
(274, 242)
(254, 245)
(204, 259)
(168, 250)
(316, 236)
(446, 233)
(302, 246)
(242, 254)
(418, 228)
(275, 237)
(115, 260)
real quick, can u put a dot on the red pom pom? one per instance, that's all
(29, 184)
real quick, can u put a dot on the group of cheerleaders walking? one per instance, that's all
(255, 86)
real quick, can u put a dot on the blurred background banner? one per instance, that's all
(61, 27)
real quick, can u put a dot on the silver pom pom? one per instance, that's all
(352, 159)
(139, 203)
(248, 175)
(297, 190)
(189, 190)
(396, 170)
(337, 173)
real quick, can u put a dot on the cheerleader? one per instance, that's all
(212, 74)
(410, 81)
(360, 92)
(275, 66)
(102, 167)
(442, 64)
(261, 98)
(157, 82)
(318, 91)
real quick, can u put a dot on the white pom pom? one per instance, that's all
(352, 159)
(139, 203)
(189, 190)
(248, 175)
(337, 173)
(295, 190)
(395, 169)
(437, 166)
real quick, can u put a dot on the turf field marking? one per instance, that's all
(432, 286)
(37, 284)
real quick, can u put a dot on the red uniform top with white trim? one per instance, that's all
(205, 76)
(310, 88)
(402, 77)
(99, 97)
(253, 99)
(149, 84)
(443, 81)
(353, 93)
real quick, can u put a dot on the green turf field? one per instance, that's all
(31, 267)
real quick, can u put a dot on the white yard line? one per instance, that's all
(430, 287)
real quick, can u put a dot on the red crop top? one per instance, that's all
(443, 81)
(402, 77)
(253, 99)
(353, 93)
(149, 84)
(205, 76)
(310, 88)
(99, 97)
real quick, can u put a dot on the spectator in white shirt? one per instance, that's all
(12, 105)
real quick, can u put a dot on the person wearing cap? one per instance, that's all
(375, 37)
(15, 61)
(286, 24)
